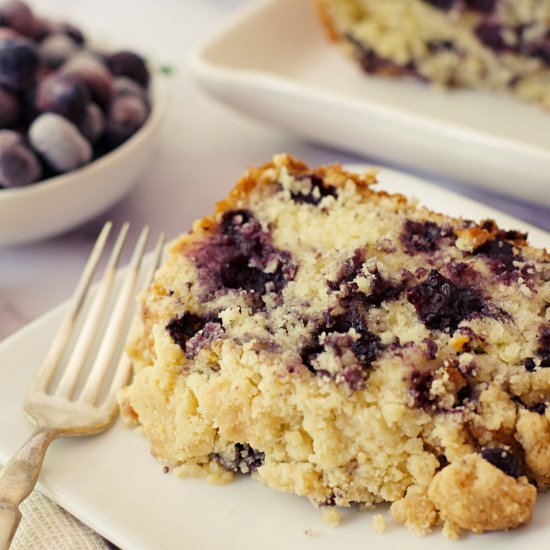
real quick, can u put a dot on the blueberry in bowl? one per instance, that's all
(77, 124)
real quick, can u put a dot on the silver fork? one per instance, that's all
(60, 410)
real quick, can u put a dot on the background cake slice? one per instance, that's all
(501, 45)
(351, 347)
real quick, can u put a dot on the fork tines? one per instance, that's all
(94, 318)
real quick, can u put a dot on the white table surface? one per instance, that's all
(203, 148)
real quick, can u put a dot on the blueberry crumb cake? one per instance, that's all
(352, 347)
(502, 45)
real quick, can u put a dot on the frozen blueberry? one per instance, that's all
(18, 164)
(9, 34)
(95, 75)
(129, 64)
(56, 49)
(17, 15)
(93, 123)
(9, 108)
(72, 31)
(63, 94)
(59, 142)
(18, 63)
(122, 85)
(503, 459)
(42, 28)
(125, 116)
(441, 304)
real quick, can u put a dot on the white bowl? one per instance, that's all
(46, 208)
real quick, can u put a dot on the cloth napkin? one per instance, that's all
(46, 526)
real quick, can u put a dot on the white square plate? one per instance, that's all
(273, 62)
(113, 484)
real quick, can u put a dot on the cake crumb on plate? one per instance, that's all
(379, 524)
(331, 517)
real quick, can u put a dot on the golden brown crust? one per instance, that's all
(416, 511)
(533, 433)
(326, 21)
(479, 497)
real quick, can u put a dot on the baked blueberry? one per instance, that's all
(544, 347)
(315, 193)
(482, 6)
(185, 328)
(365, 345)
(442, 305)
(539, 408)
(423, 236)
(503, 459)
(240, 256)
(441, 4)
(492, 35)
(245, 459)
(501, 254)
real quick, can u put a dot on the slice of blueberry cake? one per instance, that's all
(352, 347)
(501, 45)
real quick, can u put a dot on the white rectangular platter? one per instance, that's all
(113, 484)
(274, 63)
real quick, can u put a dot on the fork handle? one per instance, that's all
(18, 478)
